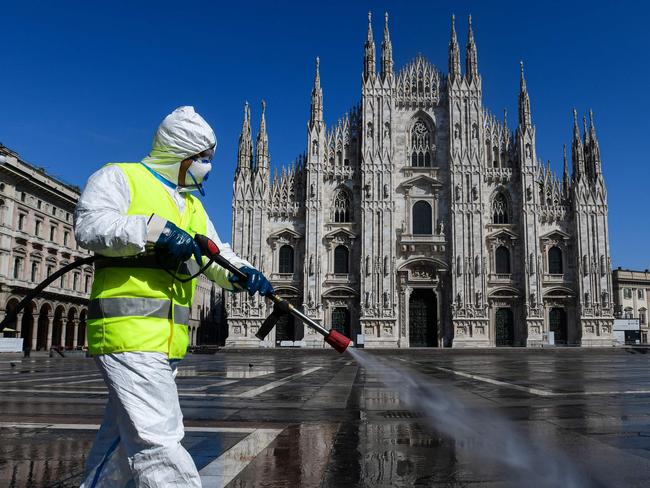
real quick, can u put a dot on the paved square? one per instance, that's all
(279, 418)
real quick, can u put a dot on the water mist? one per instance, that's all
(483, 434)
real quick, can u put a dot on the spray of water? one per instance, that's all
(485, 434)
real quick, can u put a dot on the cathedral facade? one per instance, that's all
(421, 220)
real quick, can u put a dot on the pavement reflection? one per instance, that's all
(315, 418)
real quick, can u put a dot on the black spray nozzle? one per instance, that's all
(280, 308)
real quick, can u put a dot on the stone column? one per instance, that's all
(440, 324)
(34, 330)
(402, 317)
(63, 331)
(19, 324)
(76, 333)
(274, 258)
(50, 330)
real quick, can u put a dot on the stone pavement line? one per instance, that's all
(205, 387)
(274, 384)
(68, 383)
(535, 391)
(226, 467)
(48, 379)
(43, 425)
(540, 392)
(181, 392)
(104, 392)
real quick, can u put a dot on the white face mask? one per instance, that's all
(199, 169)
(196, 174)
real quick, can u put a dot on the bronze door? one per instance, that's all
(558, 325)
(423, 323)
(341, 320)
(505, 327)
(285, 329)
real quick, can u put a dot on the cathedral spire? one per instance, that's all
(386, 52)
(316, 116)
(525, 119)
(471, 70)
(369, 52)
(245, 148)
(577, 151)
(454, 52)
(584, 129)
(595, 146)
(565, 175)
(262, 144)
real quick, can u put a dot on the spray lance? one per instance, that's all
(280, 306)
(335, 339)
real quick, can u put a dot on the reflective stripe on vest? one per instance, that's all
(108, 308)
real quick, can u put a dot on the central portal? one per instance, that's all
(288, 329)
(423, 319)
(505, 327)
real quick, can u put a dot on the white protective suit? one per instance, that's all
(138, 443)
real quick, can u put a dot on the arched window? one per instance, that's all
(555, 261)
(18, 265)
(341, 261)
(502, 260)
(342, 207)
(286, 259)
(500, 209)
(422, 218)
(496, 156)
(422, 144)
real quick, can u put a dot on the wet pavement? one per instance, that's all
(285, 418)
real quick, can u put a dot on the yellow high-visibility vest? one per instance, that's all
(142, 307)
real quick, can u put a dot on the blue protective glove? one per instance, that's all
(176, 246)
(256, 282)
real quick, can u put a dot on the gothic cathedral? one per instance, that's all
(420, 220)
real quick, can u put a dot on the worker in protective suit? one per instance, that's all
(142, 218)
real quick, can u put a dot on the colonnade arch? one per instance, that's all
(27, 325)
(43, 331)
(43, 324)
(58, 327)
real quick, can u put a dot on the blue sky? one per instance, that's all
(84, 83)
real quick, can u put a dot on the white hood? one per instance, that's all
(182, 134)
